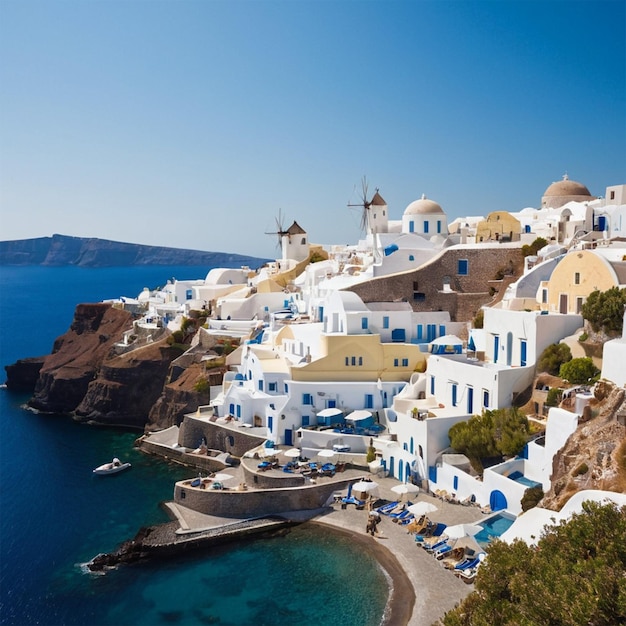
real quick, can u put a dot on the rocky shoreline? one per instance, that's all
(162, 540)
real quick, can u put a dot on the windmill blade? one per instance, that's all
(280, 229)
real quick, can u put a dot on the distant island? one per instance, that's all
(93, 252)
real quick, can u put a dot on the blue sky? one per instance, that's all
(191, 123)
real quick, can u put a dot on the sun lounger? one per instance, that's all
(387, 508)
(443, 551)
(436, 546)
(402, 516)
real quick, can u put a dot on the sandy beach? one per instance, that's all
(422, 590)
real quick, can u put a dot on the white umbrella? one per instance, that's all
(364, 486)
(222, 476)
(326, 453)
(329, 412)
(422, 508)
(293, 453)
(405, 488)
(462, 530)
(268, 451)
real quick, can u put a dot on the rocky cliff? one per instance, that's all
(93, 252)
(87, 377)
(594, 457)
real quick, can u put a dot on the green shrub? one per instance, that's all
(479, 319)
(583, 337)
(579, 371)
(532, 496)
(202, 386)
(553, 357)
(604, 310)
(554, 396)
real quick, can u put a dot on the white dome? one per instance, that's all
(423, 206)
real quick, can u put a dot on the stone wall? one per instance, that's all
(247, 504)
(423, 287)
(235, 441)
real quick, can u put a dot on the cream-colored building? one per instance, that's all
(499, 226)
(578, 274)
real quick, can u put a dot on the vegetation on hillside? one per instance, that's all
(576, 575)
(604, 310)
(534, 247)
(501, 432)
(579, 371)
(553, 357)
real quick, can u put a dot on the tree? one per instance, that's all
(576, 575)
(534, 247)
(553, 357)
(531, 497)
(604, 310)
(494, 433)
(579, 371)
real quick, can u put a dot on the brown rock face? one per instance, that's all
(76, 357)
(127, 386)
(24, 374)
(594, 457)
(147, 387)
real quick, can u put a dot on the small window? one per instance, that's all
(405, 362)
(454, 394)
(411, 257)
(396, 362)
(425, 226)
(286, 388)
(360, 360)
(306, 398)
(438, 227)
(485, 399)
(463, 267)
(579, 305)
(386, 321)
(419, 296)
(347, 361)
(353, 360)
(364, 323)
(189, 294)
(272, 386)
(544, 296)
(577, 278)
(612, 195)
(303, 241)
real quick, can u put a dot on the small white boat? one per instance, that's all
(113, 467)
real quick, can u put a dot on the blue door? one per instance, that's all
(602, 222)
(305, 420)
(497, 500)
(431, 330)
(470, 399)
(288, 437)
(369, 401)
(331, 404)
(523, 353)
(496, 348)
(420, 332)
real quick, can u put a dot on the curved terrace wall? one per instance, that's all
(235, 441)
(253, 503)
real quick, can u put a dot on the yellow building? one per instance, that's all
(499, 226)
(577, 275)
(356, 358)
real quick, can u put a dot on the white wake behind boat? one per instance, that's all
(113, 467)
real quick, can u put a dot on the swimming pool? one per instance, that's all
(493, 527)
(518, 477)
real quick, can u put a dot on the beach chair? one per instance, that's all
(387, 508)
(401, 516)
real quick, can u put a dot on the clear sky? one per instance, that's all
(191, 123)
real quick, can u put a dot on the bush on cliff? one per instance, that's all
(553, 357)
(574, 576)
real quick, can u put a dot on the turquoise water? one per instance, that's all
(55, 515)
(493, 527)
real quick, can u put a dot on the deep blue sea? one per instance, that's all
(54, 515)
